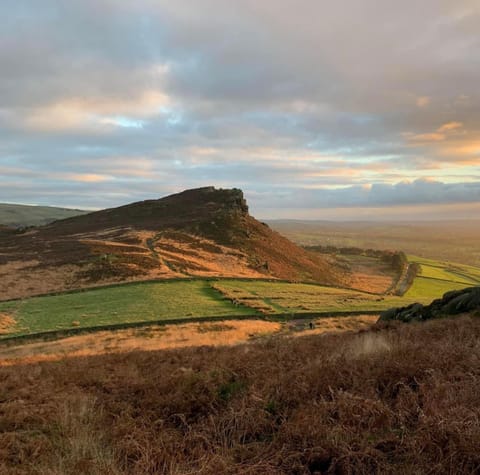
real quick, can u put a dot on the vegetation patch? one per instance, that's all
(129, 303)
(398, 399)
(214, 327)
(7, 322)
(191, 299)
(297, 298)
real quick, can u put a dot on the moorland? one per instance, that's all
(181, 335)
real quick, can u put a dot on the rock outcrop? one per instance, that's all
(452, 303)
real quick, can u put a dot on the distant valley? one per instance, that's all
(448, 240)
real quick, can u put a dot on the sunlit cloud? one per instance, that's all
(423, 101)
(73, 113)
(87, 177)
(432, 137)
(449, 126)
(106, 102)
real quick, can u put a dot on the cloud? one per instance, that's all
(87, 177)
(92, 113)
(450, 126)
(149, 97)
(422, 138)
(406, 193)
(423, 101)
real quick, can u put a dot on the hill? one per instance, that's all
(203, 232)
(16, 216)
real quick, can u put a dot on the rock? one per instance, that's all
(452, 303)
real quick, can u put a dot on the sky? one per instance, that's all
(353, 109)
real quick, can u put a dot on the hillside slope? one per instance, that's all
(202, 232)
(397, 400)
(23, 215)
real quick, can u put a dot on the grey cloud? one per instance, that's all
(297, 77)
(418, 192)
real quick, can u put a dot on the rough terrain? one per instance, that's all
(202, 232)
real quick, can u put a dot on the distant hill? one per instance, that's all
(203, 232)
(14, 215)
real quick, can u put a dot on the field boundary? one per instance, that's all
(183, 279)
(281, 317)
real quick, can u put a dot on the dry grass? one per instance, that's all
(369, 274)
(79, 444)
(146, 338)
(23, 278)
(193, 255)
(400, 399)
(6, 323)
(335, 325)
(244, 297)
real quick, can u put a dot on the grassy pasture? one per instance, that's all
(437, 277)
(156, 301)
(284, 297)
(447, 271)
(126, 303)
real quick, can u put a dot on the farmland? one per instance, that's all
(455, 241)
(138, 303)
(120, 304)
(436, 277)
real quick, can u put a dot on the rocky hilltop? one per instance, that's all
(452, 303)
(210, 212)
(203, 232)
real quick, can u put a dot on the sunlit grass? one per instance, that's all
(126, 303)
(425, 289)
(155, 301)
(284, 297)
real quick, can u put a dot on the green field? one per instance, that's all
(122, 304)
(436, 278)
(156, 301)
(284, 297)
(449, 272)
